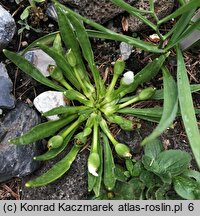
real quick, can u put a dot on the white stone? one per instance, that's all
(49, 100)
(1, 111)
(40, 60)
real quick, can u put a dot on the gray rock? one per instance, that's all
(40, 60)
(17, 160)
(71, 186)
(125, 50)
(162, 9)
(7, 27)
(3, 71)
(100, 11)
(7, 100)
(51, 11)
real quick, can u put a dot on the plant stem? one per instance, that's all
(95, 138)
(72, 127)
(133, 100)
(106, 130)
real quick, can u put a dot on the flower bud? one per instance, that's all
(87, 131)
(80, 139)
(128, 78)
(55, 73)
(55, 142)
(93, 163)
(119, 67)
(122, 150)
(146, 93)
(71, 58)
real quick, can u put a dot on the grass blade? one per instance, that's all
(135, 12)
(193, 4)
(179, 28)
(115, 36)
(187, 108)
(124, 38)
(29, 69)
(170, 107)
(159, 93)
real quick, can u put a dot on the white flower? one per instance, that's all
(128, 78)
(92, 170)
(93, 163)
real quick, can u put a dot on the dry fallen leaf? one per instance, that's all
(154, 38)
(124, 24)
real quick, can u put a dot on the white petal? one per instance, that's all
(128, 77)
(92, 170)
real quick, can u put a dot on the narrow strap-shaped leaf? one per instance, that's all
(187, 108)
(135, 12)
(113, 35)
(42, 131)
(170, 107)
(57, 170)
(192, 4)
(55, 151)
(109, 165)
(61, 63)
(64, 109)
(29, 69)
(86, 50)
(47, 40)
(69, 38)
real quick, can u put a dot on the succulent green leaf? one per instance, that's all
(170, 107)
(109, 165)
(29, 69)
(54, 152)
(57, 170)
(61, 63)
(47, 40)
(42, 131)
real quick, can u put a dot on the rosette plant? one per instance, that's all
(95, 104)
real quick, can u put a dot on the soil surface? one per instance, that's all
(26, 89)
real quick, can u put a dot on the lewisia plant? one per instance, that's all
(95, 104)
